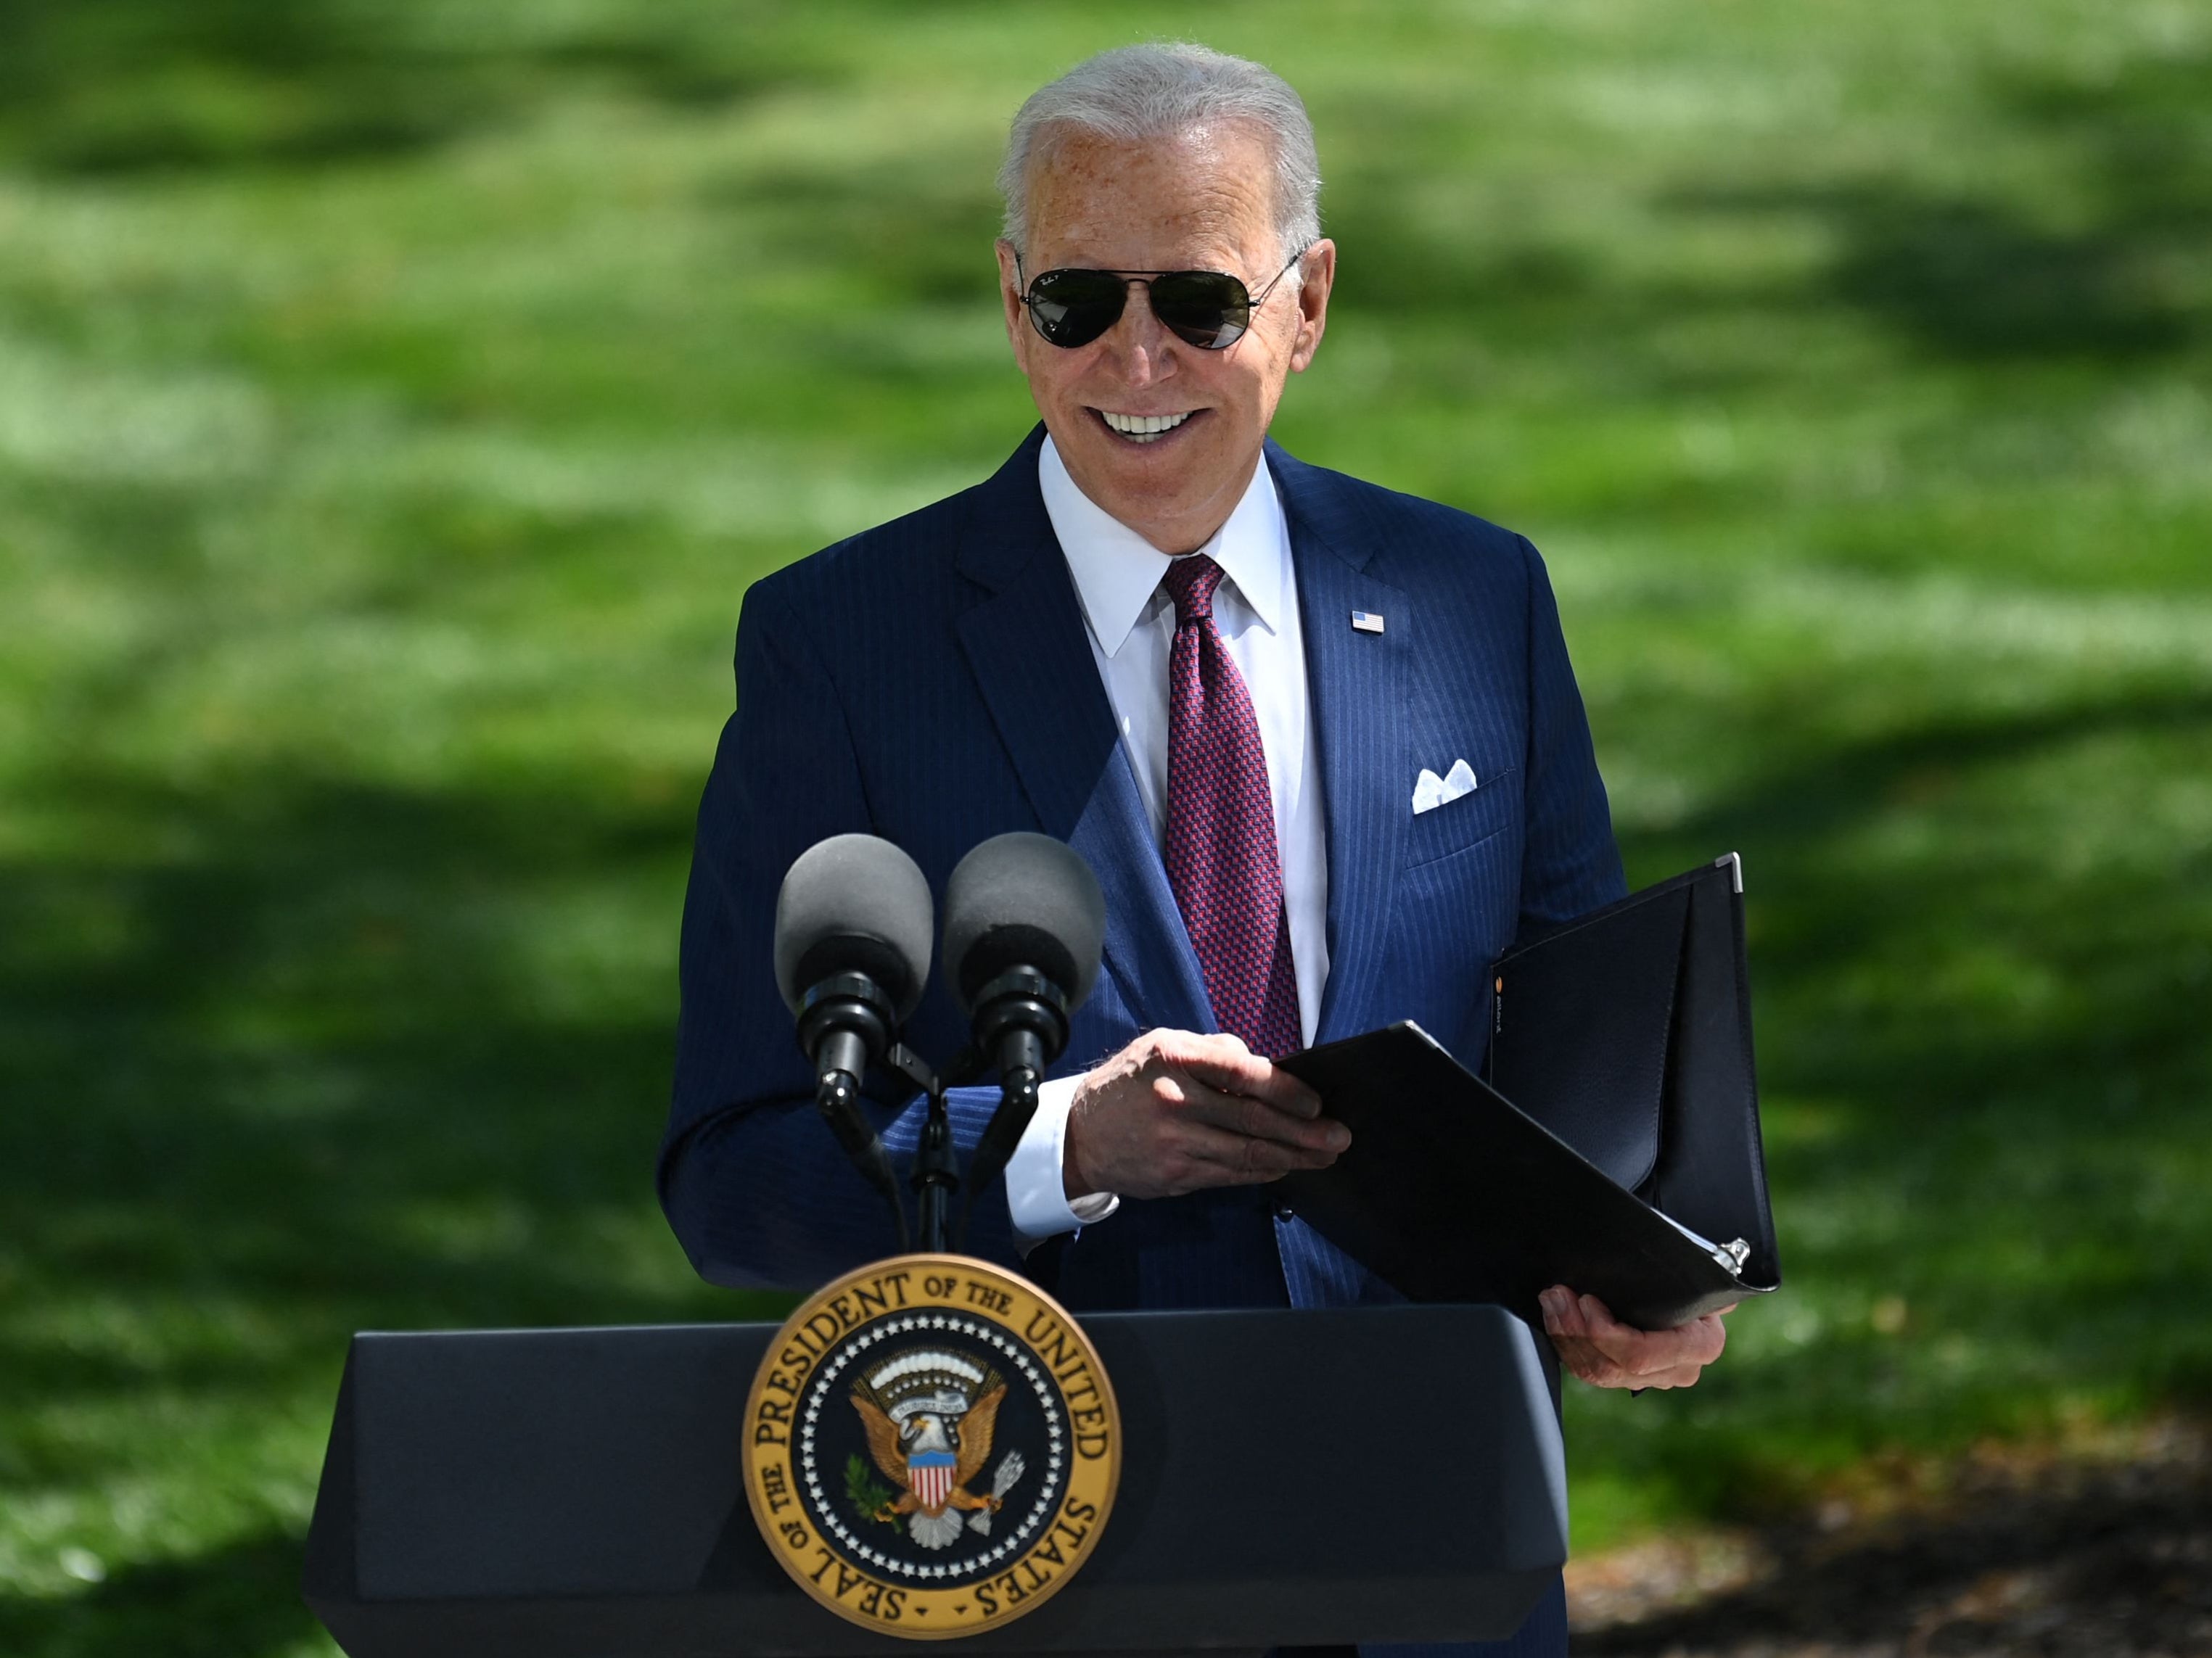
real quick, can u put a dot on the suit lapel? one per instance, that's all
(1356, 684)
(1147, 947)
(1026, 645)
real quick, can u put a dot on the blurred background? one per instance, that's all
(396, 400)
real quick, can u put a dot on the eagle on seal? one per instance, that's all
(930, 1416)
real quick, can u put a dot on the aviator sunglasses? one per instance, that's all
(1210, 309)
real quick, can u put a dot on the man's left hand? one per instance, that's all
(1607, 1353)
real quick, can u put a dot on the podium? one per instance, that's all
(1320, 1478)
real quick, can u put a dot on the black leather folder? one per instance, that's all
(1612, 1143)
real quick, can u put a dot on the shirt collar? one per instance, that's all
(1117, 571)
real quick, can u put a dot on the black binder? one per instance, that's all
(1612, 1143)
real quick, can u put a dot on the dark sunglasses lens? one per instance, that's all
(1074, 307)
(1209, 308)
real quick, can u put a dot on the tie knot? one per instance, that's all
(1190, 582)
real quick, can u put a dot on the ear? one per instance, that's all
(1010, 294)
(1313, 302)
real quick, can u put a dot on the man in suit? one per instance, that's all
(1216, 671)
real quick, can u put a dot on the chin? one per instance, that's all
(1145, 484)
(1156, 484)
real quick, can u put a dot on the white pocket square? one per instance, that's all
(1431, 791)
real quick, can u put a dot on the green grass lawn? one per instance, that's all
(395, 401)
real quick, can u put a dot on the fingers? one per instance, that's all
(1563, 1312)
(1224, 1063)
(1243, 1115)
(1593, 1367)
(1169, 1157)
(1216, 1080)
(1607, 1353)
(1175, 1112)
(1243, 1160)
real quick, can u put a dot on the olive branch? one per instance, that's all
(865, 1492)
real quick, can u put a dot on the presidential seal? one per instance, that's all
(931, 1446)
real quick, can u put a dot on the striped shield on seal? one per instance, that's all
(930, 1473)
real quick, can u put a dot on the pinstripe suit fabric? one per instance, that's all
(929, 681)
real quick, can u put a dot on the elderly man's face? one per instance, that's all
(1203, 202)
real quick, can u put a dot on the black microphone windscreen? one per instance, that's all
(854, 903)
(1024, 900)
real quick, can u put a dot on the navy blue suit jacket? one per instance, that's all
(930, 682)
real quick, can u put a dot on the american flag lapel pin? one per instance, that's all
(1367, 622)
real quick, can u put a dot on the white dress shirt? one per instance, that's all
(1131, 624)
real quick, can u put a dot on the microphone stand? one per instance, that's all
(936, 1165)
(936, 1176)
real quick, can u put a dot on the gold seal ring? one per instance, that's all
(931, 1447)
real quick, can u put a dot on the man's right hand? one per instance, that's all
(1175, 1112)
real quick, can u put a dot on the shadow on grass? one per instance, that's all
(1980, 279)
(2115, 1026)
(2104, 1562)
(132, 85)
(1969, 278)
(2104, 270)
(241, 1601)
(1984, 1086)
(2107, 277)
(279, 1067)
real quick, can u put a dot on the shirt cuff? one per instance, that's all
(1036, 1187)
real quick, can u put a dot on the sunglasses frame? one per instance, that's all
(1129, 278)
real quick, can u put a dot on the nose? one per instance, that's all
(1142, 351)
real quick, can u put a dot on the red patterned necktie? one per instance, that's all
(1221, 854)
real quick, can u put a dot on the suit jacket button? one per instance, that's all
(1283, 1210)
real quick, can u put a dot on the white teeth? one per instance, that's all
(1143, 429)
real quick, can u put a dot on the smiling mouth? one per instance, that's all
(1143, 429)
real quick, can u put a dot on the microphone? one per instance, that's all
(852, 925)
(1024, 921)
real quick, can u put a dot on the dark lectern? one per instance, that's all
(1307, 1478)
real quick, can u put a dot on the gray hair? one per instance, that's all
(1133, 94)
